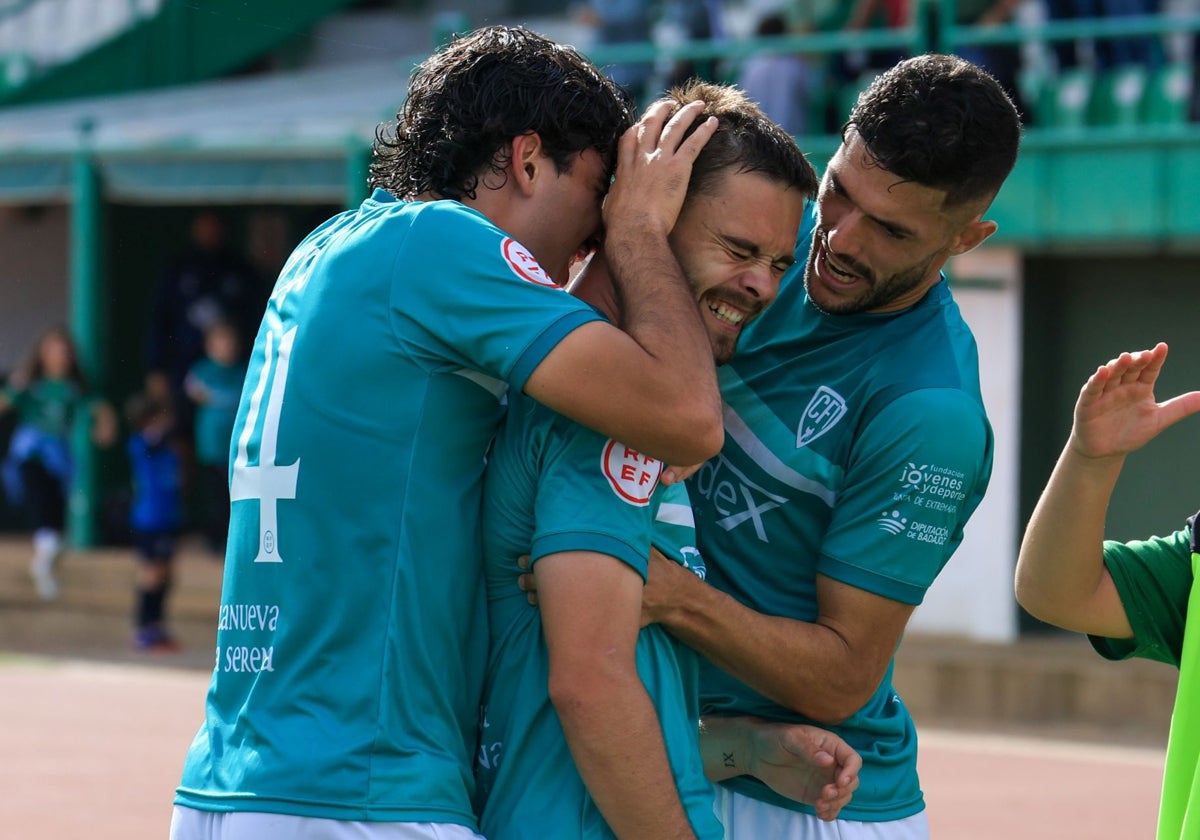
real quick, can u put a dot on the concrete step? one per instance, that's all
(1055, 681)
(93, 615)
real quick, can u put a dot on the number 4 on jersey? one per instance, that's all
(266, 482)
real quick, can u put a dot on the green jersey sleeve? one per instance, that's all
(1154, 579)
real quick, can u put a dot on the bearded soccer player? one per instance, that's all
(857, 446)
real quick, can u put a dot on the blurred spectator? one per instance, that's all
(214, 384)
(206, 283)
(874, 14)
(1109, 52)
(1001, 60)
(623, 22)
(697, 21)
(153, 517)
(781, 83)
(47, 392)
(1137, 49)
(845, 71)
(1066, 53)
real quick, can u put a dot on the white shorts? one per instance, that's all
(748, 819)
(192, 824)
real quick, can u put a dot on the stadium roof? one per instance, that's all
(266, 138)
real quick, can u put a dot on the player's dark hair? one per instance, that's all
(467, 102)
(746, 140)
(942, 122)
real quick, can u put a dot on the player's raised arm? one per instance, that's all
(654, 385)
(1060, 577)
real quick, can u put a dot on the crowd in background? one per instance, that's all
(807, 92)
(176, 431)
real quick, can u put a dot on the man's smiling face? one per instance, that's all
(733, 242)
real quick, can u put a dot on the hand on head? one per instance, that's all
(654, 163)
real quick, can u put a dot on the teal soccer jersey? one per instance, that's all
(856, 447)
(556, 486)
(352, 636)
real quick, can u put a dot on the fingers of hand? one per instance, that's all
(672, 135)
(1136, 367)
(651, 124)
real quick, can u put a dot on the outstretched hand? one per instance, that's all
(654, 165)
(1117, 412)
(807, 764)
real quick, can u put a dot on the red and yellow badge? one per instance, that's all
(633, 476)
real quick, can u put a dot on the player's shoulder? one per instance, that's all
(928, 346)
(446, 217)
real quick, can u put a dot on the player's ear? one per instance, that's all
(527, 161)
(972, 234)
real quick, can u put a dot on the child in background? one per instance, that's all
(47, 392)
(214, 384)
(153, 518)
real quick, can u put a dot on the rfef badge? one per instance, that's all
(632, 475)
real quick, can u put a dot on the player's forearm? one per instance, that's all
(725, 748)
(658, 310)
(801, 665)
(801, 762)
(616, 741)
(1060, 566)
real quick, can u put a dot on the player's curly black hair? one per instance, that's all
(942, 122)
(468, 101)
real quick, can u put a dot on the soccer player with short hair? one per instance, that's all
(590, 721)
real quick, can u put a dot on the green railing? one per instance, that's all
(1107, 102)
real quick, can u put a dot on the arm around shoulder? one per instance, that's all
(824, 669)
(601, 377)
(651, 385)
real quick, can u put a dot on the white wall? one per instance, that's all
(973, 595)
(33, 277)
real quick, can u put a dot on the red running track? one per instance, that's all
(94, 750)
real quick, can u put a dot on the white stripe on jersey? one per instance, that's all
(497, 388)
(676, 514)
(761, 454)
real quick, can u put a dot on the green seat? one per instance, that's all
(1119, 95)
(1068, 99)
(1168, 93)
(1034, 83)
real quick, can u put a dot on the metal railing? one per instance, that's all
(933, 29)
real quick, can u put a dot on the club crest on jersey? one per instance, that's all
(632, 475)
(821, 414)
(524, 264)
